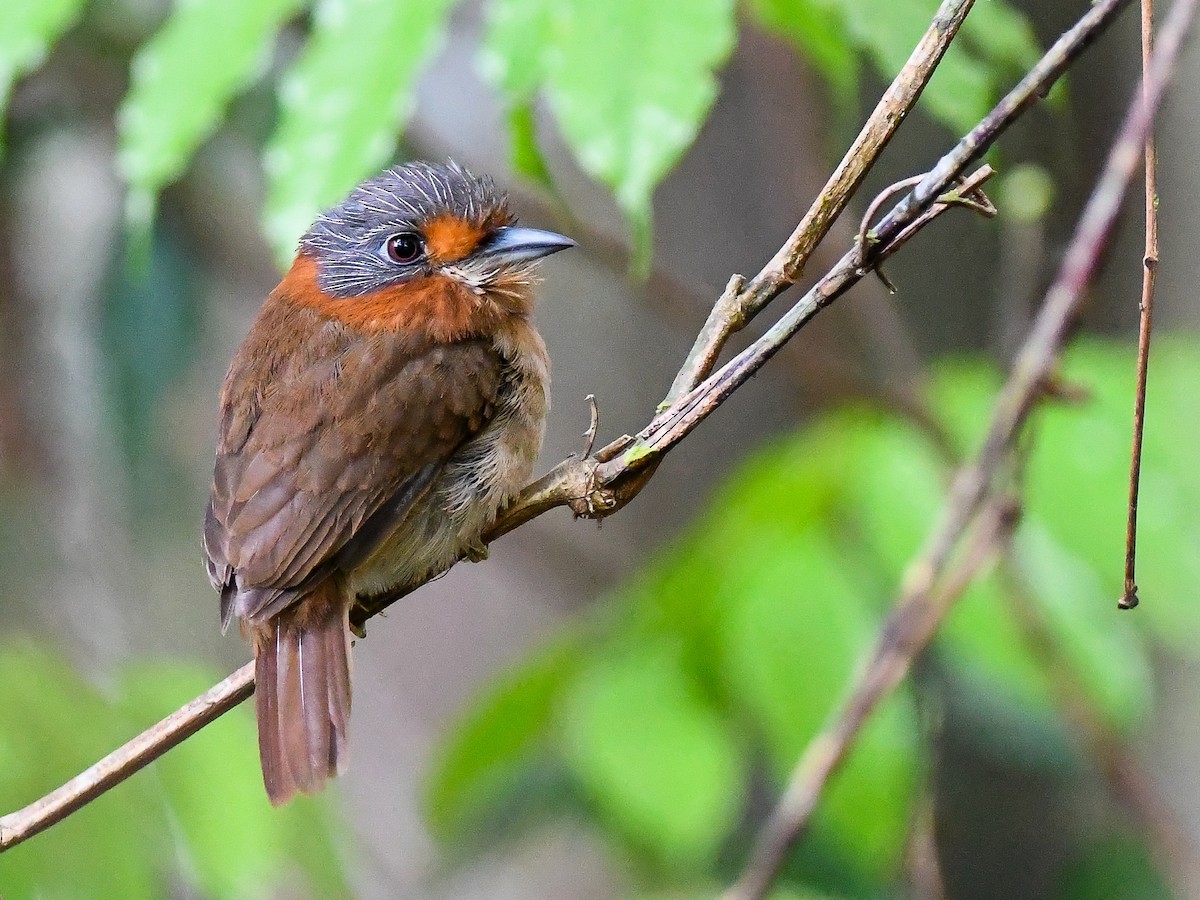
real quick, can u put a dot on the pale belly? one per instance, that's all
(484, 476)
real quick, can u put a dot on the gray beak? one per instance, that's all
(512, 244)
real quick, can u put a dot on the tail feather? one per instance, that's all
(303, 685)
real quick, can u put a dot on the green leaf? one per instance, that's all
(796, 626)
(1007, 694)
(343, 104)
(1115, 869)
(652, 754)
(53, 725)
(28, 29)
(998, 32)
(524, 154)
(962, 87)
(481, 762)
(1079, 477)
(1088, 628)
(1025, 193)
(236, 845)
(818, 30)
(514, 55)
(513, 58)
(183, 80)
(895, 485)
(631, 82)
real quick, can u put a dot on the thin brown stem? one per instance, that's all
(124, 761)
(973, 485)
(910, 626)
(1129, 598)
(785, 268)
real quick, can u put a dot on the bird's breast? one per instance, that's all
(479, 479)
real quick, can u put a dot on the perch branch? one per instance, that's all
(973, 484)
(742, 301)
(1129, 597)
(599, 485)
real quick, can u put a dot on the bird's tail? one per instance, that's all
(302, 694)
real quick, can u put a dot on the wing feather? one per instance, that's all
(325, 443)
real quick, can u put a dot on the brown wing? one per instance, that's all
(324, 434)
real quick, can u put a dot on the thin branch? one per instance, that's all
(1129, 598)
(922, 862)
(973, 484)
(120, 764)
(735, 310)
(600, 485)
(911, 624)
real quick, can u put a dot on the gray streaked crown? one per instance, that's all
(349, 240)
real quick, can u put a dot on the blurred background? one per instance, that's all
(599, 712)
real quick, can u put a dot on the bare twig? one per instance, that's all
(735, 310)
(923, 863)
(599, 485)
(909, 627)
(120, 764)
(973, 483)
(1129, 598)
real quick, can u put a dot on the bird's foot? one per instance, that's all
(476, 551)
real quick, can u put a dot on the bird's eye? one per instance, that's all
(404, 247)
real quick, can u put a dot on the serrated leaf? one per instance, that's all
(796, 626)
(653, 756)
(343, 104)
(28, 29)
(482, 758)
(235, 843)
(631, 83)
(182, 81)
(818, 31)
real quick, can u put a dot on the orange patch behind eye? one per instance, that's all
(435, 306)
(449, 238)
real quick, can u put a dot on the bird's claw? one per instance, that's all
(476, 552)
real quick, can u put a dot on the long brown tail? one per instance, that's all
(302, 697)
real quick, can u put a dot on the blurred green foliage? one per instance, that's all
(197, 818)
(628, 82)
(713, 668)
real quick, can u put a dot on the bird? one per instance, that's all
(388, 401)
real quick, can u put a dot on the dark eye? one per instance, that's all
(404, 247)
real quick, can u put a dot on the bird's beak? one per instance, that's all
(512, 244)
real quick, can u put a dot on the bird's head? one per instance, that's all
(419, 224)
